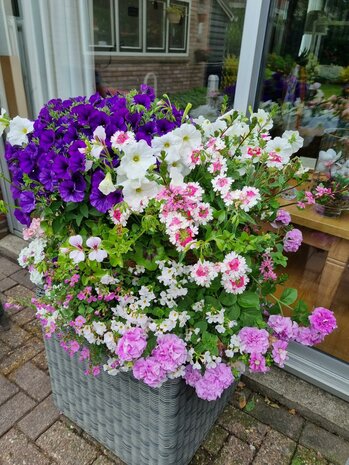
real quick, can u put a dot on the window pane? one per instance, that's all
(103, 34)
(155, 25)
(130, 16)
(178, 27)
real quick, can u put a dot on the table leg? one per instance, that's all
(336, 262)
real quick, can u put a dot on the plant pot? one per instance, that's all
(174, 18)
(141, 425)
(329, 211)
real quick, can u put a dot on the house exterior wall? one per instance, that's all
(174, 73)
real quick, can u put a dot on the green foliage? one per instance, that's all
(229, 71)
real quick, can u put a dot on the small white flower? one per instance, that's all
(190, 137)
(170, 144)
(99, 327)
(264, 119)
(98, 141)
(19, 130)
(294, 139)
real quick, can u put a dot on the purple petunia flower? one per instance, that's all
(323, 320)
(73, 189)
(22, 217)
(142, 99)
(27, 201)
(61, 167)
(47, 139)
(102, 202)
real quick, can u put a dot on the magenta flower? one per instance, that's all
(292, 240)
(132, 344)
(308, 336)
(257, 363)
(212, 384)
(149, 371)
(279, 352)
(282, 326)
(283, 218)
(191, 375)
(323, 320)
(97, 254)
(170, 351)
(253, 340)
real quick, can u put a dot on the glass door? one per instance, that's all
(305, 80)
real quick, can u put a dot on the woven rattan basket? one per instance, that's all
(141, 425)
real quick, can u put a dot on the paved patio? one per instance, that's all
(252, 430)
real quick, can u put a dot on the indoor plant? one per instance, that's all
(148, 236)
(174, 14)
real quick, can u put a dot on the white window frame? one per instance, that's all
(112, 4)
(116, 49)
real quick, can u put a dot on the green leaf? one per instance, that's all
(250, 316)
(84, 210)
(251, 404)
(289, 296)
(212, 302)
(227, 299)
(57, 225)
(202, 325)
(249, 299)
(233, 312)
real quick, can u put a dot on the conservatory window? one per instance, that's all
(139, 26)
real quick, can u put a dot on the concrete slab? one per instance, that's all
(11, 245)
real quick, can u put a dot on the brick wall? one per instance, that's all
(174, 73)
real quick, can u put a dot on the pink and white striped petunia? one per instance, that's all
(78, 254)
(97, 254)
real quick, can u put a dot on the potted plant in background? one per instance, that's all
(174, 14)
(331, 174)
(159, 278)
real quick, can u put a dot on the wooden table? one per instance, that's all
(331, 235)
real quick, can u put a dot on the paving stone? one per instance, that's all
(4, 350)
(103, 460)
(21, 355)
(13, 410)
(6, 284)
(15, 449)
(39, 419)
(21, 294)
(243, 426)
(7, 389)
(24, 316)
(66, 447)
(8, 267)
(332, 447)
(201, 458)
(15, 336)
(33, 381)
(235, 452)
(40, 361)
(276, 449)
(304, 456)
(215, 440)
(34, 327)
(22, 277)
(278, 418)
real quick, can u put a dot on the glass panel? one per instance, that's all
(103, 34)
(307, 75)
(130, 24)
(177, 19)
(156, 32)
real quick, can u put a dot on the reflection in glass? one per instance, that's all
(155, 25)
(103, 23)
(129, 24)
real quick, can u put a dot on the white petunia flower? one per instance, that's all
(138, 157)
(98, 141)
(137, 192)
(294, 139)
(264, 119)
(19, 130)
(106, 186)
(170, 144)
(190, 138)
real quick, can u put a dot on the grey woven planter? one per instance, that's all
(141, 425)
